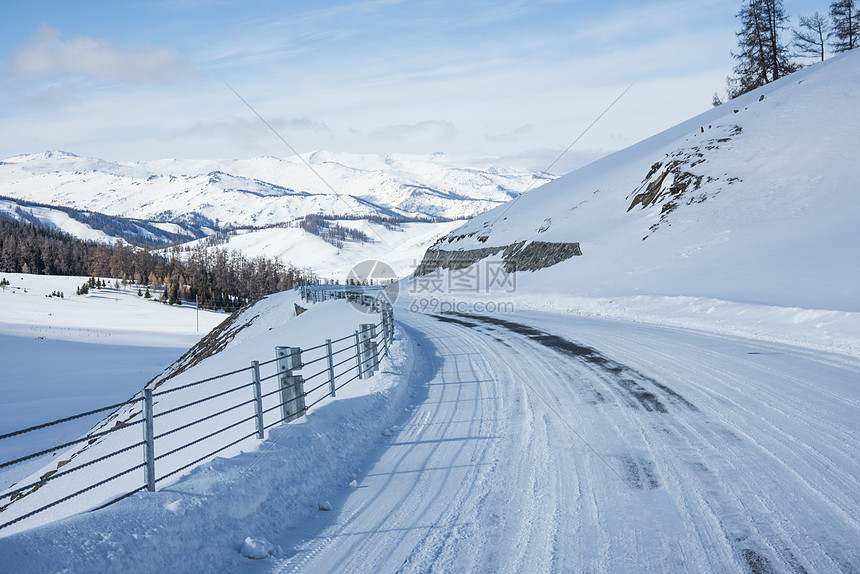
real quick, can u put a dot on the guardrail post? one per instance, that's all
(366, 350)
(292, 385)
(149, 440)
(258, 399)
(330, 360)
(386, 329)
(358, 364)
(374, 350)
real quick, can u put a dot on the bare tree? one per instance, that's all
(846, 25)
(812, 36)
(763, 57)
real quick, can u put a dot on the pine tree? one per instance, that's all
(846, 25)
(763, 57)
(147, 295)
(174, 293)
(812, 36)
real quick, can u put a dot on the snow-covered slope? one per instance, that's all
(61, 356)
(220, 365)
(92, 226)
(262, 191)
(400, 248)
(755, 201)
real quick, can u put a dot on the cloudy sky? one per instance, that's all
(513, 79)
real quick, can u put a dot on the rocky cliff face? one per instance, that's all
(520, 256)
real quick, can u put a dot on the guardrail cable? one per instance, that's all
(67, 419)
(195, 383)
(207, 437)
(202, 458)
(351, 355)
(71, 443)
(204, 419)
(203, 400)
(78, 493)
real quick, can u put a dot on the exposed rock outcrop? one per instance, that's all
(521, 256)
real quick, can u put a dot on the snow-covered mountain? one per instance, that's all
(755, 201)
(262, 191)
(166, 201)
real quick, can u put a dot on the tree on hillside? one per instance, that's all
(846, 25)
(763, 57)
(812, 36)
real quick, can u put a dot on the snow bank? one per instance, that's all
(825, 330)
(255, 488)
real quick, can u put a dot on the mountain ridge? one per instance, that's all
(410, 186)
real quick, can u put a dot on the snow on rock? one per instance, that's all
(256, 548)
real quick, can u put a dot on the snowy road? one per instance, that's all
(550, 443)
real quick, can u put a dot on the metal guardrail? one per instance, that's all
(275, 398)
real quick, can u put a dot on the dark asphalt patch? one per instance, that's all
(633, 383)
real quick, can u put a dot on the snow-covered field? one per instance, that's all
(64, 356)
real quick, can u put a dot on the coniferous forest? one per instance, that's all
(764, 54)
(217, 279)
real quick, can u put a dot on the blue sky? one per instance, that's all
(512, 79)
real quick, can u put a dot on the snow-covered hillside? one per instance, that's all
(182, 200)
(401, 247)
(265, 190)
(755, 201)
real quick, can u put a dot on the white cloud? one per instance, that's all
(232, 138)
(48, 54)
(429, 131)
(301, 124)
(510, 136)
